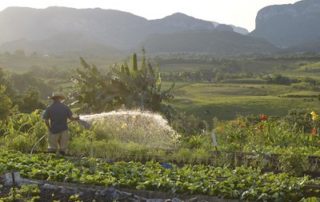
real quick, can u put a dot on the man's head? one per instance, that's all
(57, 97)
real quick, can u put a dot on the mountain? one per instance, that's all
(179, 22)
(236, 29)
(220, 43)
(240, 30)
(98, 31)
(106, 27)
(290, 26)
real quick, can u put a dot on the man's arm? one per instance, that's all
(71, 117)
(47, 123)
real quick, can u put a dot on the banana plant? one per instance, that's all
(135, 87)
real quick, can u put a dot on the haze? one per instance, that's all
(237, 12)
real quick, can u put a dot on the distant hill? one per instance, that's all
(60, 30)
(221, 43)
(294, 26)
(61, 44)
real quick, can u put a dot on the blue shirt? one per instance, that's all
(58, 114)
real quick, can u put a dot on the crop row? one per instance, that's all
(240, 183)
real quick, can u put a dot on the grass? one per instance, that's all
(310, 67)
(210, 89)
(226, 101)
(302, 93)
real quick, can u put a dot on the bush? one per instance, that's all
(22, 131)
(300, 120)
(188, 125)
(5, 104)
(272, 135)
(279, 79)
(30, 101)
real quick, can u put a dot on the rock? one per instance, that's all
(176, 200)
(12, 178)
(290, 25)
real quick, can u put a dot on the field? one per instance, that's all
(235, 94)
(240, 129)
(245, 90)
(227, 101)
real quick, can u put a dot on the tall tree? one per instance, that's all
(30, 101)
(5, 81)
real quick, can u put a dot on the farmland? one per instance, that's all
(244, 183)
(226, 101)
(102, 105)
(246, 86)
(267, 141)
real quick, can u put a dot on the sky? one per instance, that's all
(237, 12)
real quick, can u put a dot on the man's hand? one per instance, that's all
(74, 118)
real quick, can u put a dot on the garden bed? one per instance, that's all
(243, 183)
(16, 188)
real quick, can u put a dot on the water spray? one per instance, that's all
(142, 127)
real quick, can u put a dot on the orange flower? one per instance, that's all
(263, 117)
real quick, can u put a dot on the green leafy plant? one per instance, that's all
(135, 87)
(29, 193)
(5, 103)
(240, 183)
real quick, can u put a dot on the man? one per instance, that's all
(56, 117)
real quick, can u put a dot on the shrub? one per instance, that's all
(188, 125)
(300, 120)
(22, 131)
(182, 155)
(272, 135)
(5, 103)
